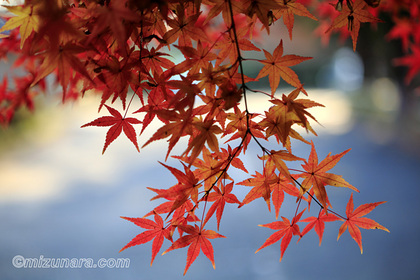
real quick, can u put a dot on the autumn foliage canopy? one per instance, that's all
(121, 51)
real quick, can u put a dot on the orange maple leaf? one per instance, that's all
(276, 65)
(287, 112)
(286, 230)
(242, 125)
(298, 107)
(288, 10)
(352, 15)
(222, 6)
(198, 57)
(316, 177)
(227, 46)
(155, 230)
(118, 124)
(196, 239)
(278, 189)
(262, 185)
(260, 8)
(355, 220)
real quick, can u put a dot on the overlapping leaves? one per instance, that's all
(121, 51)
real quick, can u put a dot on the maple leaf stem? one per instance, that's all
(204, 211)
(258, 142)
(297, 208)
(316, 200)
(233, 27)
(128, 105)
(297, 182)
(224, 170)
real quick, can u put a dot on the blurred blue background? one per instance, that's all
(60, 198)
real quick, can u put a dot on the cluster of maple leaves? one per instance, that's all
(119, 49)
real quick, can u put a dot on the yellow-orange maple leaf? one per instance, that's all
(352, 15)
(277, 65)
(316, 177)
(26, 19)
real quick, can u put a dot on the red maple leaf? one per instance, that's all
(318, 223)
(220, 197)
(64, 59)
(118, 124)
(285, 231)
(155, 230)
(355, 220)
(196, 239)
(412, 61)
(262, 185)
(186, 188)
(183, 28)
(113, 16)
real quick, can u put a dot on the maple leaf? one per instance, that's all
(403, 30)
(197, 57)
(286, 230)
(279, 119)
(187, 187)
(227, 46)
(118, 124)
(298, 107)
(154, 61)
(318, 223)
(196, 239)
(277, 65)
(278, 158)
(26, 19)
(260, 8)
(204, 132)
(283, 185)
(117, 76)
(355, 220)
(179, 127)
(114, 15)
(64, 58)
(261, 185)
(352, 15)
(220, 197)
(242, 126)
(288, 10)
(155, 230)
(317, 178)
(412, 61)
(208, 169)
(183, 27)
(222, 6)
